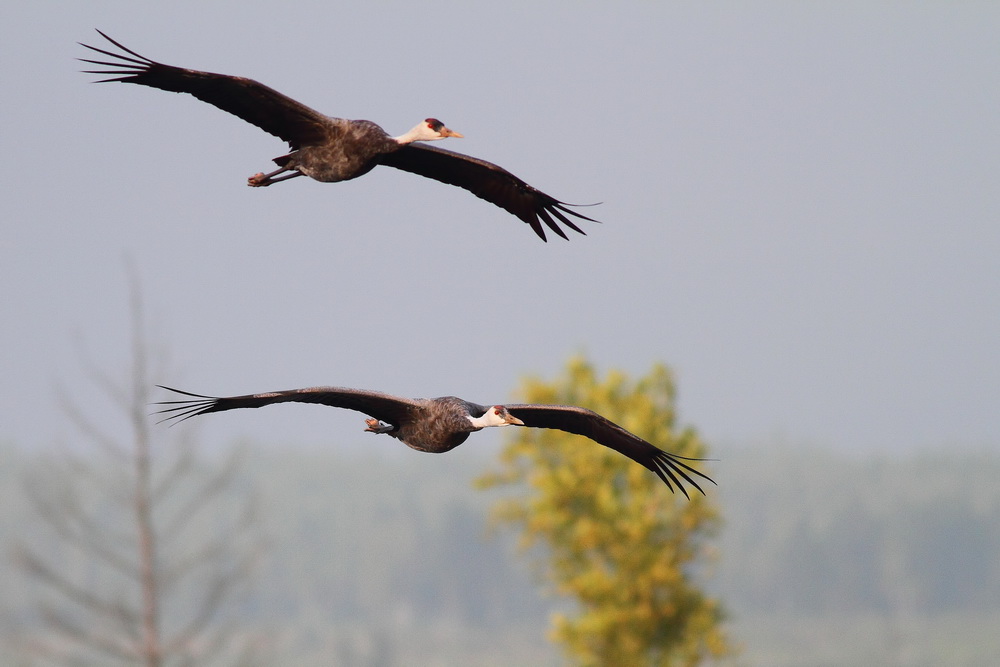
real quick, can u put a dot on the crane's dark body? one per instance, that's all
(353, 148)
(441, 424)
(333, 149)
(438, 424)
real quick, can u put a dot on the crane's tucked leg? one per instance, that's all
(260, 179)
(375, 426)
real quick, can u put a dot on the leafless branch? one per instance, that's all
(117, 611)
(149, 557)
(86, 635)
(181, 466)
(199, 499)
(219, 588)
(88, 429)
(87, 535)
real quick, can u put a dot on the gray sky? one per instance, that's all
(800, 205)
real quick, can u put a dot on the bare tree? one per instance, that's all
(142, 545)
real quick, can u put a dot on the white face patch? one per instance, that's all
(493, 417)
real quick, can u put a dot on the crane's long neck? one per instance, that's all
(497, 415)
(418, 133)
(481, 422)
(430, 130)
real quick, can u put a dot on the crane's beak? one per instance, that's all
(511, 419)
(445, 132)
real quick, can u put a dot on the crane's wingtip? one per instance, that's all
(186, 393)
(666, 465)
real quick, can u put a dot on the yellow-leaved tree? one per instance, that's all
(616, 539)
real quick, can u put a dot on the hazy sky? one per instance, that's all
(801, 212)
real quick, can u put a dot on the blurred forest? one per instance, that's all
(385, 557)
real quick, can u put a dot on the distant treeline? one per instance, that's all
(811, 532)
(386, 553)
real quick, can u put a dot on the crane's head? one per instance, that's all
(497, 415)
(436, 130)
(430, 129)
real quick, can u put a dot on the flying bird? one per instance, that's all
(441, 424)
(332, 149)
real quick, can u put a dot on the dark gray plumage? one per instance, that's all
(441, 424)
(334, 149)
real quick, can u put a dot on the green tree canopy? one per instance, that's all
(617, 541)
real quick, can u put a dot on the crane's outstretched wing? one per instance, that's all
(254, 102)
(390, 409)
(487, 181)
(588, 423)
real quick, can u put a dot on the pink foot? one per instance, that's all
(375, 426)
(258, 180)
